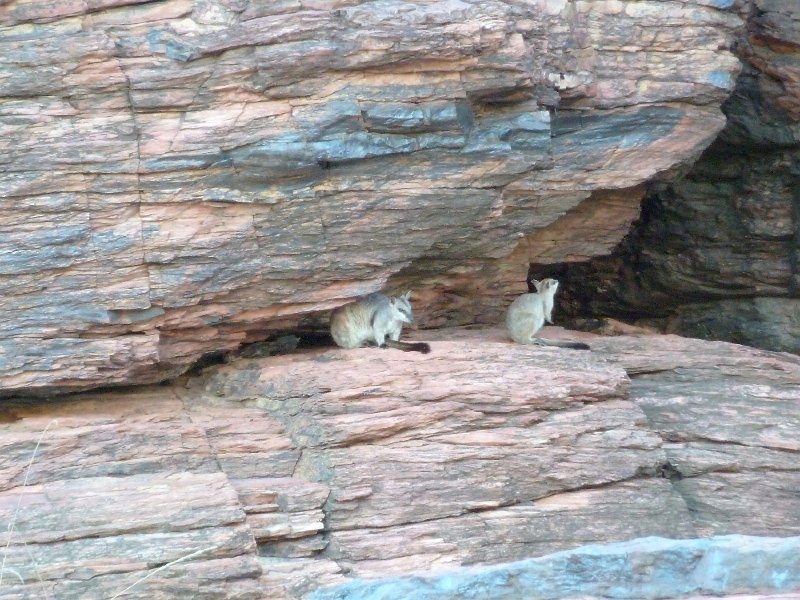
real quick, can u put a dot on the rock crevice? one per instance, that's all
(715, 254)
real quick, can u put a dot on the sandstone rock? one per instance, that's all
(183, 177)
(716, 254)
(278, 476)
(763, 322)
(647, 568)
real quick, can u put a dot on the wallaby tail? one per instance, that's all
(409, 346)
(563, 344)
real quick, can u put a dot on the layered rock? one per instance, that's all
(647, 568)
(716, 254)
(180, 177)
(275, 477)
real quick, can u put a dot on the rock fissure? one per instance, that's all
(688, 439)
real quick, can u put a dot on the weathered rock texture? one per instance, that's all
(275, 477)
(647, 568)
(182, 176)
(718, 253)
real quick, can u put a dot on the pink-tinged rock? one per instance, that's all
(274, 477)
(180, 177)
(714, 254)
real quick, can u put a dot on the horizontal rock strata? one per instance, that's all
(645, 568)
(181, 177)
(277, 476)
(716, 254)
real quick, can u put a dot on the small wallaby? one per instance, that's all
(375, 319)
(527, 314)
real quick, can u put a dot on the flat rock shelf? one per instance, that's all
(283, 476)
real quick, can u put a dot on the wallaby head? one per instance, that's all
(401, 307)
(545, 285)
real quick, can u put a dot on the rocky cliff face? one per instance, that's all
(277, 478)
(717, 254)
(180, 177)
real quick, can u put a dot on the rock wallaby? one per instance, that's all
(527, 314)
(375, 319)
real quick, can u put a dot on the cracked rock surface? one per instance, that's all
(276, 477)
(717, 254)
(178, 177)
